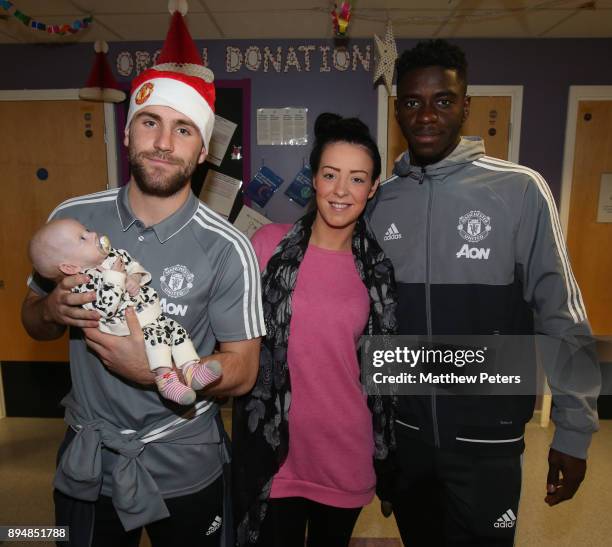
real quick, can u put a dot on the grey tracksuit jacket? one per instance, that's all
(477, 248)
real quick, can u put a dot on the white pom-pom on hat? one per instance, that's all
(101, 46)
(178, 5)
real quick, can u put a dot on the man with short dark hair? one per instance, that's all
(130, 459)
(477, 248)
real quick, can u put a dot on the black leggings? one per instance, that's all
(286, 520)
(194, 521)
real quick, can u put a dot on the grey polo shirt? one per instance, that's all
(207, 278)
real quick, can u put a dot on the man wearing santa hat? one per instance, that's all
(130, 459)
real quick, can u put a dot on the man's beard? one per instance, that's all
(157, 183)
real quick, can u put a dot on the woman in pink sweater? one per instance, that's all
(304, 439)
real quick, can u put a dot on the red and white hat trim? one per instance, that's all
(170, 89)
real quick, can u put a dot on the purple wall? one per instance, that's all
(546, 69)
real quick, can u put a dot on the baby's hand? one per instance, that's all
(132, 284)
(118, 265)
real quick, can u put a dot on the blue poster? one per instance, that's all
(300, 190)
(263, 186)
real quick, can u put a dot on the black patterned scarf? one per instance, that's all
(260, 429)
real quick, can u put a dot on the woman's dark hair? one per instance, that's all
(330, 128)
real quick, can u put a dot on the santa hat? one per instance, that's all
(178, 80)
(101, 84)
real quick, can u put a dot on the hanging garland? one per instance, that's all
(341, 18)
(75, 27)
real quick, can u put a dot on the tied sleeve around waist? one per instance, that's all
(136, 496)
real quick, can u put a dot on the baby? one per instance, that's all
(65, 247)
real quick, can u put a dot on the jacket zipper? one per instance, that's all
(434, 409)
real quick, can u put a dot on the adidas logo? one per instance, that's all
(507, 520)
(392, 233)
(216, 524)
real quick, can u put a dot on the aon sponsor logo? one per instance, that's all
(170, 308)
(473, 252)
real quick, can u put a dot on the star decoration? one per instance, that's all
(387, 55)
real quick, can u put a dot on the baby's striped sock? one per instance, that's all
(199, 375)
(171, 388)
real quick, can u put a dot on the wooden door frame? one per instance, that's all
(515, 92)
(577, 93)
(110, 133)
(110, 138)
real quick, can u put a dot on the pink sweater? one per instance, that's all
(331, 442)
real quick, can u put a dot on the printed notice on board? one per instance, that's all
(220, 139)
(219, 192)
(249, 221)
(282, 126)
(604, 209)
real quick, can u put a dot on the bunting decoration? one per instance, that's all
(28, 21)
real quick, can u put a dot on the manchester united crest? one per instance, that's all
(144, 93)
(176, 281)
(474, 226)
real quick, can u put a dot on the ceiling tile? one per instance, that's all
(584, 23)
(155, 27)
(261, 5)
(148, 20)
(7, 36)
(238, 25)
(36, 8)
(110, 7)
